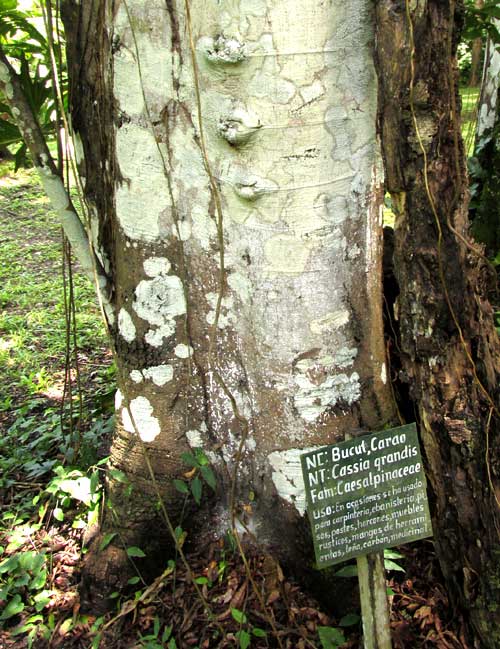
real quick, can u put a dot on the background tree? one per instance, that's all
(476, 54)
(484, 165)
(450, 347)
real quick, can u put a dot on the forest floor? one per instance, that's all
(56, 415)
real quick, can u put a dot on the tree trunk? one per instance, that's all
(490, 88)
(485, 167)
(476, 51)
(232, 165)
(451, 351)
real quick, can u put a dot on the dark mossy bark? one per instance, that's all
(450, 349)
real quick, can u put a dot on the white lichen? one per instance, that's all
(182, 230)
(222, 50)
(5, 79)
(313, 398)
(287, 476)
(330, 322)
(126, 326)
(118, 399)
(194, 438)
(142, 420)
(183, 351)
(286, 254)
(226, 316)
(159, 374)
(160, 301)
(142, 199)
(155, 266)
(241, 285)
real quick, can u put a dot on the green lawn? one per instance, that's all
(33, 376)
(470, 98)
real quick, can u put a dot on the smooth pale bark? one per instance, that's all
(450, 349)
(490, 88)
(247, 280)
(486, 169)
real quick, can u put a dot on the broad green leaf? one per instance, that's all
(9, 564)
(42, 599)
(391, 565)
(38, 580)
(8, 5)
(31, 560)
(189, 458)
(117, 475)
(330, 638)
(392, 554)
(58, 514)
(106, 540)
(196, 489)
(135, 552)
(259, 633)
(243, 639)
(350, 619)
(28, 624)
(94, 482)
(201, 457)
(13, 607)
(209, 476)
(239, 616)
(9, 133)
(133, 580)
(65, 627)
(181, 486)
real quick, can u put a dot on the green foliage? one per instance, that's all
(480, 21)
(155, 640)
(36, 428)
(351, 570)
(23, 576)
(28, 50)
(201, 472)
(330, 637)
(247, 630)
(37, 446)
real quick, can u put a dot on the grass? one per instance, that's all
(32, 319)
(51, 434)
(470, 99)
(35, 411)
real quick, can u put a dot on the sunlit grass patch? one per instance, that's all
(33, 314)
(470, 99)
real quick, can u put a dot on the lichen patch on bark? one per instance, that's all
(142, 420)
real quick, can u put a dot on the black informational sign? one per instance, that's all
(366, 494)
